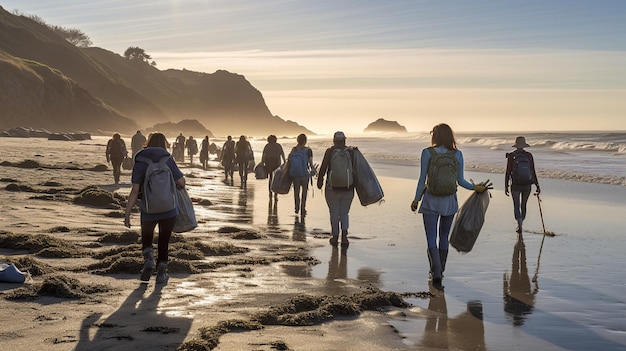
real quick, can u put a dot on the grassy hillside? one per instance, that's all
(224, 102)
(35, 95)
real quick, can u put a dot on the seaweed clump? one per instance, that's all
(209, 336)
(300, 310)
(56, 286)
(97, 197)
(40, 244)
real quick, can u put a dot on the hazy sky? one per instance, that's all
(341, 64)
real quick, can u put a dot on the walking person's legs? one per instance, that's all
(345, 201)
(165, 232)
(333, 209)
(147, 237)
(305, 191)
(431, 227)
(445, 223)
(297, 184)
(517, 212)
(116, 163)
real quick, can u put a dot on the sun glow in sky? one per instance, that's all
(476, 65)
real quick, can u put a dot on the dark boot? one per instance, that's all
(443, 257)
(435, 264)
(344, 238)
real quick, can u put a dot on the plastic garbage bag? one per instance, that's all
(186, 219)
(468, 221)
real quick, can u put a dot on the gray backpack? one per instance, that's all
(158, 188)
(341, 173)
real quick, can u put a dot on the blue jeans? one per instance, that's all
(339, 202)
(520, 198)
(436, 225)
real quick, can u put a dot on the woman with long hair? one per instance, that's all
(436, 189)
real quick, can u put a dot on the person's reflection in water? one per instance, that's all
(245, 212)
(464, 332)
(272, 215)
(299, 230)
(518, 297)
(436, 330)
(337, 270)
(467, 329)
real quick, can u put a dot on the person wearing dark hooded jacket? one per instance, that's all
(520, 190)
(155, 150)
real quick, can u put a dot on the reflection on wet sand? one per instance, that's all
(245, 213)
(337, 271)
(272, 216)
(299, 229)
(464, 332)
(518, 297)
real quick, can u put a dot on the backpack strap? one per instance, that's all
(164, 159)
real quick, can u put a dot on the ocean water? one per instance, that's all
(544, 293)
(595, 157)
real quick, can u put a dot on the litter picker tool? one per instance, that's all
(542, 239)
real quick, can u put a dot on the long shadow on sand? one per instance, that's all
(136, 324)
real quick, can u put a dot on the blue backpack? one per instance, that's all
(299, 163)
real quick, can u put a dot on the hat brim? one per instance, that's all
(521, 145)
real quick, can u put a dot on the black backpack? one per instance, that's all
(522, 172)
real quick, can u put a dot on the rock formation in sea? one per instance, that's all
(382, 125)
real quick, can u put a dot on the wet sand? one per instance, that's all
(228, 289)
(254, 276)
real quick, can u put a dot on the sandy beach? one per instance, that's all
(254, 276)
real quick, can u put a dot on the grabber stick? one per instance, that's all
(542, 239)
(541, 214)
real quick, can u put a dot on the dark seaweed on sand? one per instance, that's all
(56, 285)
(98, 197)
(300, 310)
(40, 244)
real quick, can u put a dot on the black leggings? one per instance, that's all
(165, 232)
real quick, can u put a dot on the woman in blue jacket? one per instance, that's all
(438, 210)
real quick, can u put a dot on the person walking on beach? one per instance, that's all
(243, 156)
(227, 158)
(441, 169)
(301, 169)
(520, 176)
(204, 153)
(180, 140)
(137, 142)
(273, 157)
(155, 151)
(337, 167)
(192, 148)
(116, 153)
